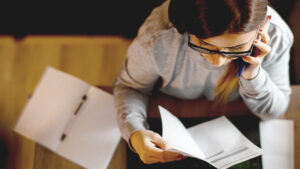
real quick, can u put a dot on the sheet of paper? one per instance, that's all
(217, 141)
(222, 143)
(177, 136)
(277, 140)
(52, 103)
(95, 134)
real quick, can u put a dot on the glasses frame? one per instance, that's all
(230, 55)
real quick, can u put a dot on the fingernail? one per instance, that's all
(255, 41)
(246, 57)
(181, 156)
(260, 30)
(269, 17)
(184, 157)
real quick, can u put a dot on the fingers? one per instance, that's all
(153, 154)
(149, 160)
(151, 147)
(163, 156)
(252, 60)
(262, 49)
(155, 159)
(264, 37)
(159, 141)
(152, 150)
(263, 31)
(154, 147)
(172, 156)
(261, 43)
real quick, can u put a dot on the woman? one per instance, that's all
(197, 47)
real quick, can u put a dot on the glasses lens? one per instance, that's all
(228, 55)
(236, 55)
(201, 50)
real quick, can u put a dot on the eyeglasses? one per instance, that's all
(230, 55)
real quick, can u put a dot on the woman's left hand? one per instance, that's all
(261, 49)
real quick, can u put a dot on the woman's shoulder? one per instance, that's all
(281, 37)
(160, 47)
(278, 27)
(157, 34)
(157, 21)
(157, 28)
(156, 40)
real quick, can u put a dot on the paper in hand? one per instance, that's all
(217, 141)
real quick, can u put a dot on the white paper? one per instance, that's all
(219, 141)
(222, 143)
(94, 136)
(50, 106)
(277, 140)
(177, 136)
(95, 133)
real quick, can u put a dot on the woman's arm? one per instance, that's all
(268, 94)
(132, 88)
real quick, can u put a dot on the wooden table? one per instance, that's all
(191, 108)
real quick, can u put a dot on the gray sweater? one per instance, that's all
(159, 51)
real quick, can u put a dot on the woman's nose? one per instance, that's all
(219, 60)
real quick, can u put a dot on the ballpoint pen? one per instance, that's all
(242, 68)
(73, 118)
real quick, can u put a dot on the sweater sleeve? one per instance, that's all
(132, 87)
(138, 75)
(268, 94)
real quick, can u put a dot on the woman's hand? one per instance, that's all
(261, 49)
(151, 147)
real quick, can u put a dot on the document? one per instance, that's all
(277, 139)
(56, 108)
(218, 142)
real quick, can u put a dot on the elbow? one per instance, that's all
(274, 110)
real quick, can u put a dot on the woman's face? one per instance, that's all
(225, 43)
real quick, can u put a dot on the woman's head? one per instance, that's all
(209, 18)
(220, 25)
(222, 49)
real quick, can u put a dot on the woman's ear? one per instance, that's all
(265, 25)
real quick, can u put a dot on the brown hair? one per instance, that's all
(209, 18)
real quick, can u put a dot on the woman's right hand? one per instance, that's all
(150, 147)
